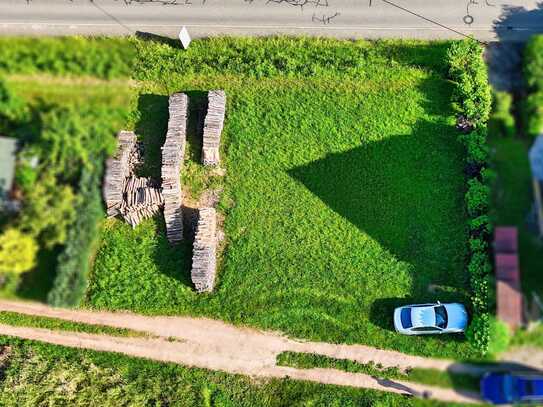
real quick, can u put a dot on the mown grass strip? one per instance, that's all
(16, 319)
(425, 376)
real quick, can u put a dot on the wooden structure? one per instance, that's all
(204, 257)
(131, 197)
(118, 169)
(141, 199)
(173, 152)
(508, 294)
(213, 125)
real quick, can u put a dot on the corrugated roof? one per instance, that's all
(536, 158)
(7, 164)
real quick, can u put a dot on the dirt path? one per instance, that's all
(215, 345)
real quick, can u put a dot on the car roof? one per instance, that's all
(423, 316)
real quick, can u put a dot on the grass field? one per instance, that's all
(343, 194)
(39, 374)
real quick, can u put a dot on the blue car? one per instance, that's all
(512, 388)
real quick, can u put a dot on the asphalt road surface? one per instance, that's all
(425, 19)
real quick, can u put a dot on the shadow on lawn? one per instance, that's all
(152, 126)
(36, 284)
(384, 189)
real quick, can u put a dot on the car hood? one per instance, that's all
(457, 316)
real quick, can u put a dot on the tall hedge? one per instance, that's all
(73, 264)
(472, 99)
(533, 72)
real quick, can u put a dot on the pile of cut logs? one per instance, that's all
(204, 255)
(173, 152)
(131, 197)
(142, 199)
(213, 125)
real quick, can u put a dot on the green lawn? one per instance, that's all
(343, 193)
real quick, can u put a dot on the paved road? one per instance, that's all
(485, 19)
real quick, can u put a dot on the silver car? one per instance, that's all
(424, 319)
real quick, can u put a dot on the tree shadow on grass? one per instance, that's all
(36, 284)
(173, 260)
(387, 190)
(151, 129)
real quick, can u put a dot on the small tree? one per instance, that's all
(48, 211)
(17, 252)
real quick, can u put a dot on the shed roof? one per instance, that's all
(7, 164)
(536, 158)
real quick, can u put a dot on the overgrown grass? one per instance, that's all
(425, 376)
(16, 319)
(343, 193)
(41, 374)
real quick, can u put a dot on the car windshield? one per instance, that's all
(406, 318)
(441, 317)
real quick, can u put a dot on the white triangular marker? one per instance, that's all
(184, 37)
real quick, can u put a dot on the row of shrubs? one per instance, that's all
(100, 57)
(74, 262)
(472, 99)
(533, 72)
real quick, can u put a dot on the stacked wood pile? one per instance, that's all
(213, 125)
(118, 169)
(142, 199)
(173, 152)
(204, 255)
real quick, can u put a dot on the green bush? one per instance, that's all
(533, 72)
(477, 198)
(478, 332)
(102, 57)
(472, 96)
(533, 113)
(472, 99)
(71, 135)
(476, 147)
(12, 108)
(502, 121)
(533, 65)
(48, 211)
(500, 336)
(480, 225)
(73, 263)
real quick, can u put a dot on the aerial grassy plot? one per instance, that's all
(343, 195)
